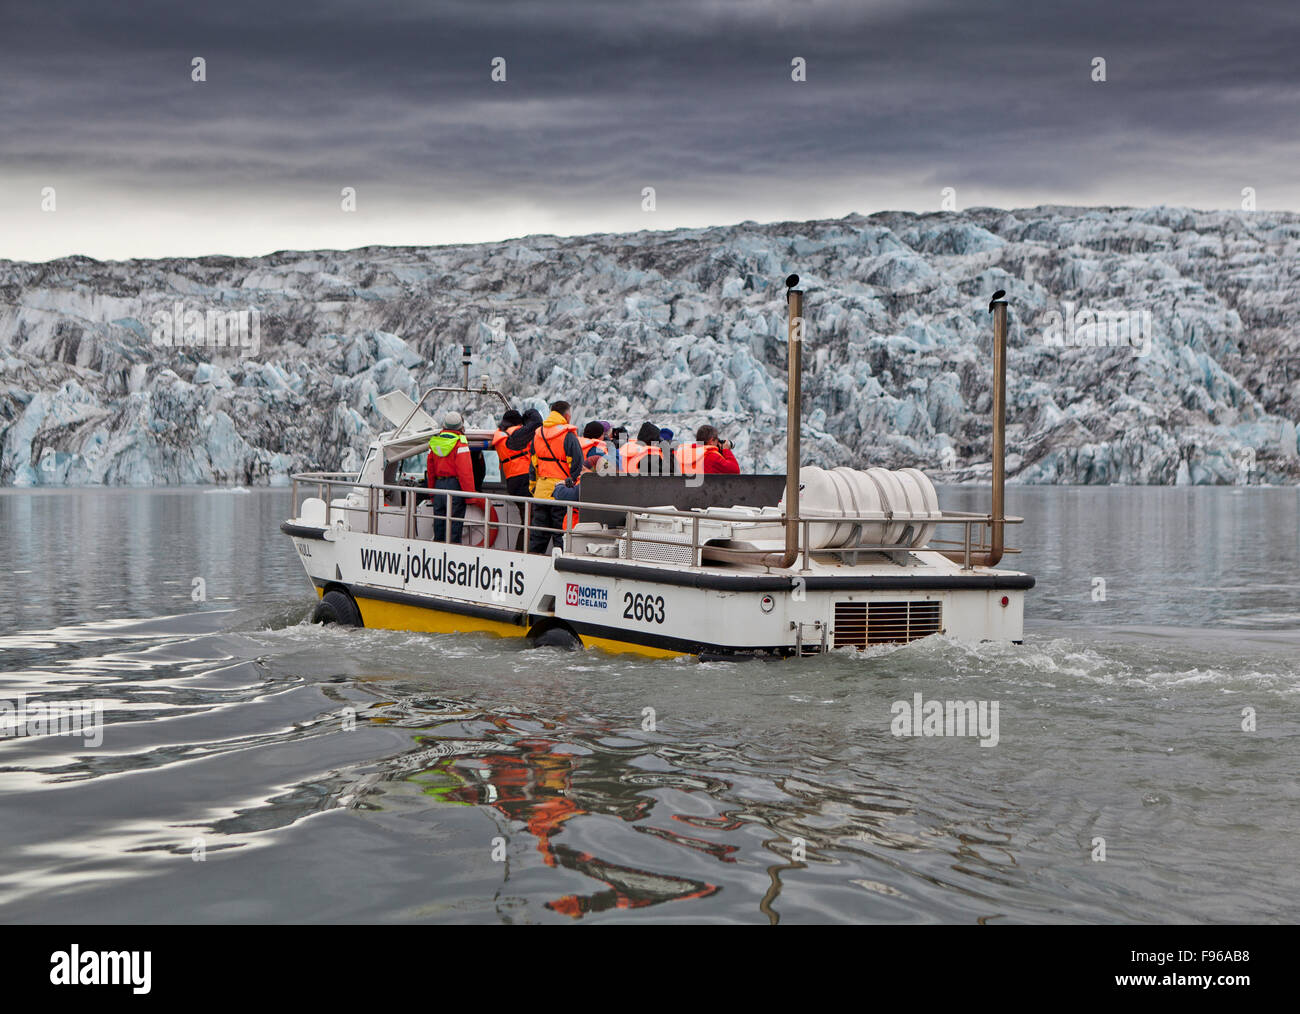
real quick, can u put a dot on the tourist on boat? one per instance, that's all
(594, 462)
(657, 460)
(644, 455)
(616, 440)
(516, 464)
(708, 455)
(558, 458)
(449, 468)
(522, 438)
(593, 440)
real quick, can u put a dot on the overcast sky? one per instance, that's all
(695, 98)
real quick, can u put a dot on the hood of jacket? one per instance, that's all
(445, 442)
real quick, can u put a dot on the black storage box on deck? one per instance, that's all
(684, 492)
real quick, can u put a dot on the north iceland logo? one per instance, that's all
(586, 595)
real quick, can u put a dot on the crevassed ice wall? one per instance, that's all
(1147, 346)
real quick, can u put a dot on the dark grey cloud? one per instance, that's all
(691, 96)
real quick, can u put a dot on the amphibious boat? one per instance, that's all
(715, 566)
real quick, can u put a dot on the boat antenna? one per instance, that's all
(793, 399)
(997, 514)
(998, 307)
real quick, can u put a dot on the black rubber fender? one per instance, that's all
(336, 606)
(554, 635)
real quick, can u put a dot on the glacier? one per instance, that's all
(682, 327)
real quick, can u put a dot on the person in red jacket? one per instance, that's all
(449, 467)
(709, 455)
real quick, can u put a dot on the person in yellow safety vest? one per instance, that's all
(558, 458)
(643, 456)
(448, 467)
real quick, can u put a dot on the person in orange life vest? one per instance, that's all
(522, 440)
(593, 440)
(667, 464)
(558, 457)
(643, 456)
(449, 468)
(709, 455)
(630, 451)
(514, 463)
(658, 459)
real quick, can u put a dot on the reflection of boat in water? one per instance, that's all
(719, 566)
(532, 784)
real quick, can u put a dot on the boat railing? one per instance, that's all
(976, 535)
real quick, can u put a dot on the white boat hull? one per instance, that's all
(659, 609)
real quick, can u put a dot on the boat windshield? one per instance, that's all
(412, 468)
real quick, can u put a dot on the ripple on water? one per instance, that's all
(761, 790)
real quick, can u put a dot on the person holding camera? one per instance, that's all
(708, 455)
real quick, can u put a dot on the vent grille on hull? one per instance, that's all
(859, 624)
(665, 548)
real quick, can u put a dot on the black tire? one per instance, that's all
(337, 607)
(556, 637)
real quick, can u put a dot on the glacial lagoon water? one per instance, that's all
(257, 768)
